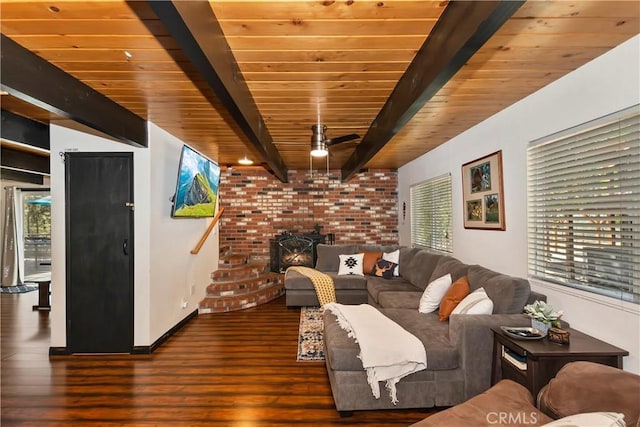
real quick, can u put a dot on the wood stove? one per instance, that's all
(288, 249)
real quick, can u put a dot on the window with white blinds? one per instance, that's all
(431, 214)
(584, 206)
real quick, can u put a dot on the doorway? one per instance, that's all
(99, 252)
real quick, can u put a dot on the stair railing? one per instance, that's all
(208, 231)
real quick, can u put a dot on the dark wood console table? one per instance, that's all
(545, 358)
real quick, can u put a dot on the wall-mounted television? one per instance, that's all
(197, 188)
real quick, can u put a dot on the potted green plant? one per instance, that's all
(543, 316)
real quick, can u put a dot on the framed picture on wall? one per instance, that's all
(482, 193)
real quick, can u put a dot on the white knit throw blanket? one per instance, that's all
(388, 352)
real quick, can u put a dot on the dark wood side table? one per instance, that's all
(544, 358)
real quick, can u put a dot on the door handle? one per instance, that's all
(125, 247)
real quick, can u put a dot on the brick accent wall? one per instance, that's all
(259, 206)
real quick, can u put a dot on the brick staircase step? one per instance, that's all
(238, 287)
(239, 272)
(241, 302)
(232, 260)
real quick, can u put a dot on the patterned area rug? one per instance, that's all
(20, 289)
(310, 345)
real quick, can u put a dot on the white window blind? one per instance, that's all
(431, 214)
(584, 207)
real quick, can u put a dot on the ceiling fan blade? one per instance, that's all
(341, 139)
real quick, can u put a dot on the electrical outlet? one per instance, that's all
(185, 304)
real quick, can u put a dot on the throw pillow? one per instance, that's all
(601, 419)
(383, 268)
(434, 293)
(369, 261)
(456, 293)
(477, 302)
(395, 258)
(351, 264)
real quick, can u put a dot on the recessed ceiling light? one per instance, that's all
(245, 161)
(128, 54)
(54, 9)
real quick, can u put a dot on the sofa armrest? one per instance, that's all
(535, 296)
(472, 336)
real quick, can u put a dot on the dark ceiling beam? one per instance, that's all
(23, 161)
(11, 175)
(30, 78)
(195, 28)
(462, 29)
(23, 130)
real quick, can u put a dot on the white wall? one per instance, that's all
(160, 242)
(603, 86)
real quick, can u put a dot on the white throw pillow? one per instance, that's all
(590, 419)
(430, 300)
(477, 302)
(351, 264)
(393, 257)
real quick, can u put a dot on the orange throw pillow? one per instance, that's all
(369, 261)
(456, 293)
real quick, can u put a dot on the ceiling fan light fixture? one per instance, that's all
(319, 149)
(318, 144)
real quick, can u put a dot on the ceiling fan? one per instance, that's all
(320, 144)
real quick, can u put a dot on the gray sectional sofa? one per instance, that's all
(459, 350)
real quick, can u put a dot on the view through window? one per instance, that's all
(36, 223)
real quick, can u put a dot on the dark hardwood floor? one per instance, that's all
(235, 369)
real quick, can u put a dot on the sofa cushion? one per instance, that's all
(420, 268)
(351, 264)
(297, 281)
(377, 248)
(328, 256)
(456, 293)
(451, 265)
(342, 351)
(399, 299)
(433, 333)
(509, 294)
(376, 285)
(432, 296)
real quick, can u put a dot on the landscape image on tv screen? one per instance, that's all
(197, 189)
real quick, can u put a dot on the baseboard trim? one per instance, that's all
(148, 349)
(138, 349)
(59, 351)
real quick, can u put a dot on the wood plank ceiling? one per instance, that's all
(307, 62)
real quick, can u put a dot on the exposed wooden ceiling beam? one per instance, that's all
(195, 28)
(463, 28)
(30, 78)
(23, 130)
(23, 161)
